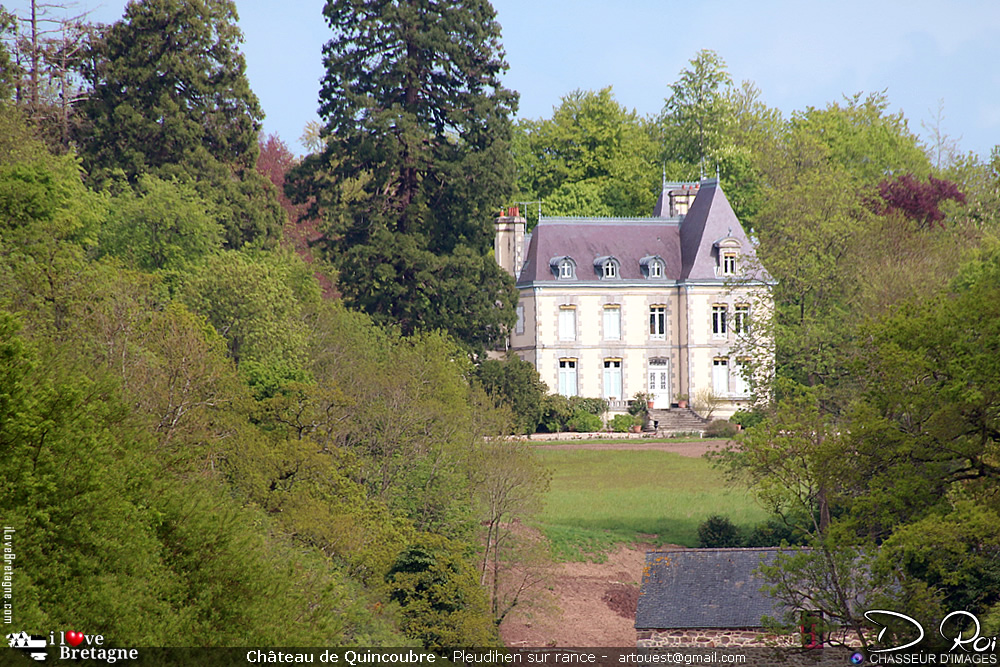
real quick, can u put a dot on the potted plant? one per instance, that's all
(682, 400)
(640, 406)
(639, 422)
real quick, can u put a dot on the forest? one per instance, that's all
(244, 397)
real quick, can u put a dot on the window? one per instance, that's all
(719, 321)
(519, 327)
(652, 266)
(567, 323)
(729, 263)
(741, 379)
(658, 322)
(720, 376)
(612, 323)
(567, 377)
(565, 268)
(610, 269)
(612, 378)
(741, 320)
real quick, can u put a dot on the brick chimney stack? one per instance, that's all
(508, 246)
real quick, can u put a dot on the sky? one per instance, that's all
(933, 59)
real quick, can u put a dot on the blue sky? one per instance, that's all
(799, 53)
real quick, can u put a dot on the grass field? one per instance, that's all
(600, 498)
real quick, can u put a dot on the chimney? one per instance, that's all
(508, 245)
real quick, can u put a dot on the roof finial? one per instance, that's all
(701, 168)
(716, 171)
(664, 176)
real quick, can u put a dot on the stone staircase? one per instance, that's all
(676, 420)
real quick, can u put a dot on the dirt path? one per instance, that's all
(593, 605)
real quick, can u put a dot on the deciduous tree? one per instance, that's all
(697, 113)
(593, 157)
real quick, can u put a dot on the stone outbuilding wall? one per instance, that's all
(712, 638)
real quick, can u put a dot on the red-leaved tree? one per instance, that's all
(301, 231)
(917, 200)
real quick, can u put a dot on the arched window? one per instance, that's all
(653, 267)
(610, 269)
(607, 267)
(563, 267)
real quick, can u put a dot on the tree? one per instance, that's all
(161, 225)
(697, 113)
(170, 97)
(593, 157)
(9, 72)
(442, 605)
(515, 383)
(863, 137)
(920, 202)
(416, 163)
(509, 484)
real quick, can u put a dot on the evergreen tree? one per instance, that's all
(171, 98)
(416, 164)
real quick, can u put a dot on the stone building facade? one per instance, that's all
(663, 305)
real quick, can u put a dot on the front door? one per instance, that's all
(659, 383)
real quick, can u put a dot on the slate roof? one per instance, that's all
(686, 243)
(704, 588)
(710, 219)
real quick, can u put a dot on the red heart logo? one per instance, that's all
(74, 638)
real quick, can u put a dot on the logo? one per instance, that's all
(24, 641)
(881, 633)
(857, 659)
(949, 631)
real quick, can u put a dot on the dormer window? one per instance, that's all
(653, 266)
(564, 267)
(607, 267)
(729, 263)
(728, 249)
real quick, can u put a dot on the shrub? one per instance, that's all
(515, 383)
(595, 406)
(747, 418)
(718, 532)
(772, 533)
(720, 428)
(622, 423)
(707, 402)
(556, 413)
(639, 406)
(584, 422)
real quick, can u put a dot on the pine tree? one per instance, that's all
(171, 98)
(416, 164)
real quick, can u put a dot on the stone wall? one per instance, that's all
(712, 638)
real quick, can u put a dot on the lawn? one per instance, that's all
(600, 498)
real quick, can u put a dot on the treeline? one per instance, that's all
(198, 448)
(209, 453)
